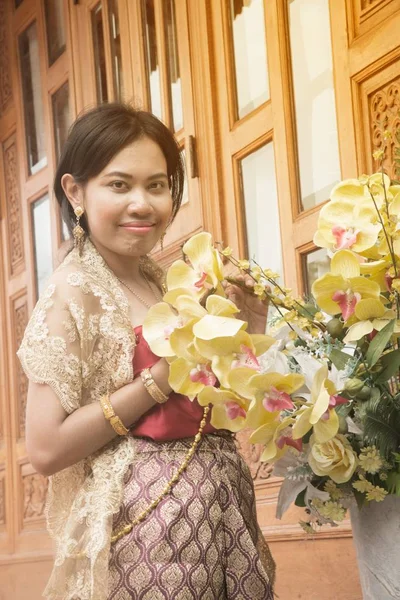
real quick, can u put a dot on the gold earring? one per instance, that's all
(78, 232)
(162, 240)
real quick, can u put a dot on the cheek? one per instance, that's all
(101, 210)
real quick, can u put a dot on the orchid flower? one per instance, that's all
(229, 410)
(319, 413)
(204, 271)
(372, 316)
(275, 436)
(340, 290)
(227, 353)
(344, 224)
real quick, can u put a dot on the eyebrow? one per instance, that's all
(160, 175)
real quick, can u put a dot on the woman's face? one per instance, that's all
(129, 204)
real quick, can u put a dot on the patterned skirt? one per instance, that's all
(202, 541)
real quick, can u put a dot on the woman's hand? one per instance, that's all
(252, 308)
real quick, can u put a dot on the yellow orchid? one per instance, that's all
(161, 320)
(204, 271)
(268, 392)
(275, 435)
(344, 224)
(340, 290)
(190, 377)
(168, 331)
(372, 316)
(319, 413)
(229, 410)
(378, 271)
(227, 353)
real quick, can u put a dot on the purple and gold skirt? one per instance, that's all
(202, 541)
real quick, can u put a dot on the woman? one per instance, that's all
(102, 421)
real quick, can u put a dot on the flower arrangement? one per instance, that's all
(321, 392)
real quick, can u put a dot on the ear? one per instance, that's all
(73, 191)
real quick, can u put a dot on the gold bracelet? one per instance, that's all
(110, 415)
(151, 386)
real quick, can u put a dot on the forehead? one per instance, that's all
(141, 157)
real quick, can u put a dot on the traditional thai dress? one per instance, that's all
(202, 541)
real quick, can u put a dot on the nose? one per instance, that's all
(139, 204)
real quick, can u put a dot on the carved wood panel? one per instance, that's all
(5, 73)
(384, 109)
(20, 321)
(251, 454)
(365, 15)
(13, 204)
(34, 488)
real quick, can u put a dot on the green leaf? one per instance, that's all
(379, 343)
(393, 483)
(339, 359)
(382, 426)
(300, 500)
(391, 365)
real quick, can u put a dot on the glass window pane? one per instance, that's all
(116, 55)
(99, 53)
(261, 208)
(61, 117)
(173, 64)
(55, 28)
(314, 96)
(153, 68)
(42, 241)
(250, 50)
(32, 99)
(315, 264)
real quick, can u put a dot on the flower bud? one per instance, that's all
(335, 327)
(353, 386)
(364, 394)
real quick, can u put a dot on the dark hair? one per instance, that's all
(98, 135)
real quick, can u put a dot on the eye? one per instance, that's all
(157, 185)
(118, 185)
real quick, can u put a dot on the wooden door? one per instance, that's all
(35, 110)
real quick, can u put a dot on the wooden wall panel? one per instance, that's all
(5, 68)
(366, 15)
(377, 109)
(20, 317)
(13, 204)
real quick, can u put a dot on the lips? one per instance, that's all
(136, 224)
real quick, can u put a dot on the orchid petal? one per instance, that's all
(345, 263)
(210, 327)
(221, 307)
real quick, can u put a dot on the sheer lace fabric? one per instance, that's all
(79, 340)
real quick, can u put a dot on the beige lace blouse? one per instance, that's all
(79, 340)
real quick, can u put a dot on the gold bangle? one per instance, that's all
(110, 415)
(151, 386)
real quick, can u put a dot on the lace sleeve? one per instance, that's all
(51, 350)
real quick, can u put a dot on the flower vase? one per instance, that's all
(376, 534)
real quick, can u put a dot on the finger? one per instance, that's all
(249, 281)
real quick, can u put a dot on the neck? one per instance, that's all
(125, 268)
